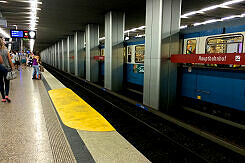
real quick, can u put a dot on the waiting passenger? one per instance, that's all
(5, 65)
(17, 61)
(35, 66)
(23, 59)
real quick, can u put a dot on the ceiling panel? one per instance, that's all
(59, 18)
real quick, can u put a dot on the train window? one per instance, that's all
(139, 53)
(102, 52)
(129, 51)
(191, 46)
(225, 44)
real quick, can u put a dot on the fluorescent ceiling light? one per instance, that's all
(230, 17)
(140, 35)
(184, 26)
(32, 43)
(3, 2)
(222, 5)
(5, 34)
(31, 1)
(102, 38)
(218, 20)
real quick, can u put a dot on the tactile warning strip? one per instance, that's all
(76, 113)
(60, 147)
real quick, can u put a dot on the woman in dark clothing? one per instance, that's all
(5, 65)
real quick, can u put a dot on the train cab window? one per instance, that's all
(191, 46)
(139, 53)
(225, 44)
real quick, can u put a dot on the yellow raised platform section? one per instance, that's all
(76, 113)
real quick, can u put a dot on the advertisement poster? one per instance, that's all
(191, 47)
(138, 68)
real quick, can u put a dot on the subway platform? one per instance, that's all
(46, 122)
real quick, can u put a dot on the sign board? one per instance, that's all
(16, 34)
(23, 34)
(227, 58)
(99, 58)
(139, 68)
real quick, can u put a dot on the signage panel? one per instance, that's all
(99, 58)
(227, 58)
(16, 34)
(23, 34)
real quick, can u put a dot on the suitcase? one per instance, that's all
(39, 76)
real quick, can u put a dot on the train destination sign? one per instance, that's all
(227, 58)
(23, 34)
(16, 34)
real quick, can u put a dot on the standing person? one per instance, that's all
(5, 65)
(35, 62)
(23, 59)
(17, 60)
(12, 57)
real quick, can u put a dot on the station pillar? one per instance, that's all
(53, 55)
(76, 53)
(58, 54)
(63, 55)
(114, 37)
(81, 56)
(68, 54)
(162, 40)
(92, 43)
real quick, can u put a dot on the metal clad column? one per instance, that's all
(53, 55)
(71, 48)
(63, 55)
(114, 37)
(76, 53)
(92, 43)
(162, 40)
(68, 54)
(81, 54)
(58, 54)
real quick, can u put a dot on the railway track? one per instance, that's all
(157, 138)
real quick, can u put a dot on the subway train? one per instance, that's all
(134, 50)
(222, 85)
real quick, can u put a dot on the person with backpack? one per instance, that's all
(5, 65)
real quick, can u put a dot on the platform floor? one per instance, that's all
(32, 131)
(24, 135)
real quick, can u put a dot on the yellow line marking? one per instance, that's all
(76, 113)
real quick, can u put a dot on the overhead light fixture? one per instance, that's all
(30, 1)
(230, 17)
(5, 34)
(182, 27)
(3, 2)
(219, 20)
(32, 42)
(33, 18)
(222, 5)
(128, 31)
(102, 38)
(140, 35)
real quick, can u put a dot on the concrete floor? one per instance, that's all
(23, 133)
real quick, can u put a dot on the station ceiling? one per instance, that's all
(59, 18)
